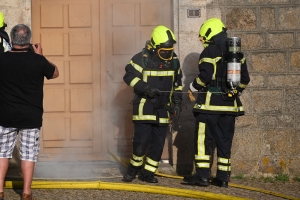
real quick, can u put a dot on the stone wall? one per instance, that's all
(267, 139)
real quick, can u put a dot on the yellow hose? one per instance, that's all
(230, 184)
(121, 186)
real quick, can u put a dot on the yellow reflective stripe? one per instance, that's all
(213, 61)
(224, 168)
(164, 120)
(141, 106)
(243, 60)
(224, 160)
(201, 138)
(151, 162)
(199, 82)
(219, 108)
(144, 117)
(202, 157)
(178, 88)
(158, 73)
(203, 165)
(134, 81)
(136, 164)
(136, 66)
(139, 158)
(150, 168)
(140, 115)
(210, 60)
(208, 97)
(242, 85)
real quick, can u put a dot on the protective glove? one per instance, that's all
(151, 92)
(176, 108)
(191, 95)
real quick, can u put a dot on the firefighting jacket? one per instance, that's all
(210, 99)
(149, 70)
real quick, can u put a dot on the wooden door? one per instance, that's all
(128, 25)
(87, 109)
(69, 32)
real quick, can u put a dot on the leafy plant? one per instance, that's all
(282, 177)
(296, 179)
(239, 176)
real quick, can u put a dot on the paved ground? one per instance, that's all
(112, 172)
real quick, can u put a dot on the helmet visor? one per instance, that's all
(165, 53)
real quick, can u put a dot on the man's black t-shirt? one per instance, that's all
(21, 88)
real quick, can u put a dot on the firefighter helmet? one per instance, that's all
(163, 40)
(210, 28)
(1, 20)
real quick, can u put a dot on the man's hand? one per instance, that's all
(151, 92)
(37, 48)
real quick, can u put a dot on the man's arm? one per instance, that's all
(38, 50)
(56, 72)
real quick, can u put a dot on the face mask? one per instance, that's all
(165, 53)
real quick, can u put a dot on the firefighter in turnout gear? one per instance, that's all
(155, 75)
(4, 39)
(217, 104)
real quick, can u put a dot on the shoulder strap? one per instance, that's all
(1, 45)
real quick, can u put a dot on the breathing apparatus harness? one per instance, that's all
(231, 61)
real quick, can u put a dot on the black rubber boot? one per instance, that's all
(219, 183)
(148, 178)
(130, 175)
(195, 180)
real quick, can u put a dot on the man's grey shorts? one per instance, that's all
(29, 143)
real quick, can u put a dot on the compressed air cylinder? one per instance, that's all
(233, 62)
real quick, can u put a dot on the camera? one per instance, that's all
(31, 48)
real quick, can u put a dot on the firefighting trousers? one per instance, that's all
(218, 130)
(148, 138)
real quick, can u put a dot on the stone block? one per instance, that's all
(268, 2)
(295, 61)
(190, 24)
(269, 62)
(241, 19)
(247, 100)
(247, 144)
(213, 12)
(246, 121)
(192, 3)
(294, 167)
(276, 121)
(250, 41)
(297, 121)
(189, 64)
(280, 40)
(288, 18)
(279, 142)
(292, 101)
(267, 18)
(267, 101)
(189, 44)
(282, 81)
(257, 80)
(243, 167)
(271, 165)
